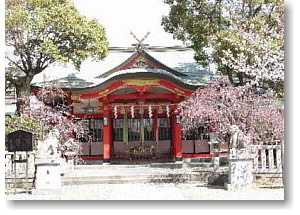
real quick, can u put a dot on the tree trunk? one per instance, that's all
(22, 90)
(241, 77)
(229, 74)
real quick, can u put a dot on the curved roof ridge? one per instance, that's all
(147, 56)
(121, 75)
(148, 70)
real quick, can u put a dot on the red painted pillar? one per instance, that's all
(107, 136)
(176, 138)
(155, 125)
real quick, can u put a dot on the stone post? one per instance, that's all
(240, 171)
(48, 177)
(216, 162)
(48, 172)
(240, 174)
(214, 150)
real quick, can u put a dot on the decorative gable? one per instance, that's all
(141, 64)
(140, 59)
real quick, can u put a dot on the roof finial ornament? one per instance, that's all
(140, 45)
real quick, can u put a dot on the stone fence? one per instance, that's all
(21, 167)
(268, 158)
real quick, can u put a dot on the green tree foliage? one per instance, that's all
(195, 21)
(14, 123)
(215, 28)
(41, 32)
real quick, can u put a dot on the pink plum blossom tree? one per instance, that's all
(223, 105)
(49, 108)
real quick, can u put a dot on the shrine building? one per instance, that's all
(129, 112)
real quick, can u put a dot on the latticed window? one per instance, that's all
(148, 129)
(96, 128)
(201, 133)
(118, 129)
(191, 135)
(134, 127)
(164, 130)
(93, 130)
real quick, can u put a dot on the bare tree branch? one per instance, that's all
(17, 65)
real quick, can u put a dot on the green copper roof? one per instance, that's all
(71, 81)
(183, 62)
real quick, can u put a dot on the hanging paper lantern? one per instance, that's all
(116, 112)
(168, 111)
(132, 111)
(150, 112)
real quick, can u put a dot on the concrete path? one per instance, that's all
(153, 192)
(146, 192)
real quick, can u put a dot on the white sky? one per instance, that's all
(119, 17)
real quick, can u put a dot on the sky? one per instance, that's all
(119, 17)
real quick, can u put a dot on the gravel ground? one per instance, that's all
(153, 192)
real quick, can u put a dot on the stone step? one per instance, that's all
(11, 183)
(134, 172)
(108, 167)
(143, 173)
(129, 181)
(269, 180)
(134, 179)
(132, 166)
(147, 176)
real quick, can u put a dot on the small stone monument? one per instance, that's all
(48, 177)
(240, 161)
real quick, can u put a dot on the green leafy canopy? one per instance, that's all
(14, 123)
(41, 32)
(206, 25)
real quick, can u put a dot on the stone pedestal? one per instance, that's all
(240, 171)
(48, 175)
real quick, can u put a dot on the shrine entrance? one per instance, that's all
(137, 101)
(141, 139)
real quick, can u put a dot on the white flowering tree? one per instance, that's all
(256, 50)
(243, 38)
